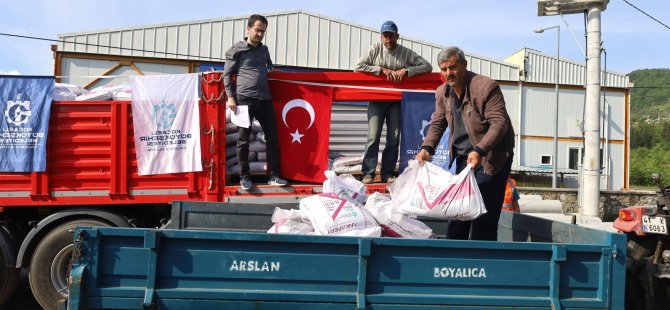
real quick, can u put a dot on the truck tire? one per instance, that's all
(50, 262)
(9, 277)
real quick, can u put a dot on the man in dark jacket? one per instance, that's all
(250, 61)
(482, 136)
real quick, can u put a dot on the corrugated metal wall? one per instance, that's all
(541, 68)
(349, 129)
(295, 38)
(538, 108)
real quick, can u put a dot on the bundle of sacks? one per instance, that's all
(350, 164)
(344, 210)
(70, 92)
(257, 155)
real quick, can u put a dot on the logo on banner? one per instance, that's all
(422, 131)
(18, 111)
(165, 138)
(164, 115)
(302, 104)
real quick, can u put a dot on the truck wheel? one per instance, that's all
(9, 277)
(51, 261)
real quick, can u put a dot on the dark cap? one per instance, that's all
(389, 26)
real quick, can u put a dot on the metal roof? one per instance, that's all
(540, 68)
(295, 38)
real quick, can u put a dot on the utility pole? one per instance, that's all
(557, 80)
(591, 173)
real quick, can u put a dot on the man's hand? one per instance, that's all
(232, 104)
(422, 156)
(400, 74)
(393, 76)
(474, 159)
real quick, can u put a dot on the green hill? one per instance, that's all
(650, 97)
(650, 126)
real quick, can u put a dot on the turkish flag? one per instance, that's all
(303, 123)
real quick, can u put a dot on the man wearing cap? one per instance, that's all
(395, 62)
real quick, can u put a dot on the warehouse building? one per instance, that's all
(300, 40)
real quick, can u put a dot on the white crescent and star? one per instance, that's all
(298, 103)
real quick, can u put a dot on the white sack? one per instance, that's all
(292, 222)
(394, 223)
(345, 186)
(332, 215)
(431, 191)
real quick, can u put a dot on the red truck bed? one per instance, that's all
(91, 154)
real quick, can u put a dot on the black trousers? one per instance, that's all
(492, 188)
(264, 112)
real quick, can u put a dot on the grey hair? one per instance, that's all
(451, 51)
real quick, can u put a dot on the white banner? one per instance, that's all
(166, 123)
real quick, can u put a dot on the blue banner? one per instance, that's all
(25, 104)
(210, 67)
(417, 109)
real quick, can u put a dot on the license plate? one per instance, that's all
(654, 224)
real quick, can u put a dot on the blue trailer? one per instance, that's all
(215, 256)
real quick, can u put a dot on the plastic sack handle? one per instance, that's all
(423, 173)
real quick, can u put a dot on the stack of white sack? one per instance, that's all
(65, 92)
(344, 186)
(292, 222)
(339, 211)
(335, 216)
(106, 92)
(394, 223)
(124, 93)
(257, 157)
(347, 164)
(431, 191)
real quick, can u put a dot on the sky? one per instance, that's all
(491, 28)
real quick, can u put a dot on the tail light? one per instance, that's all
(626, 215)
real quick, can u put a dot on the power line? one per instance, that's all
(645, 13)
(108, 46)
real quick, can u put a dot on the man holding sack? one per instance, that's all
(473, 108)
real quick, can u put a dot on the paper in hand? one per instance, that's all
(241, 116)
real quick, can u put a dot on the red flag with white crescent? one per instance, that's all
(303, 123)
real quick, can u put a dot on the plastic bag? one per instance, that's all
(332, 215)
(394, 223)
(431, 191)
(344, 186)
(292, 222)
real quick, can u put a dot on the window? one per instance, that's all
(576, 157)
(545, 160)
